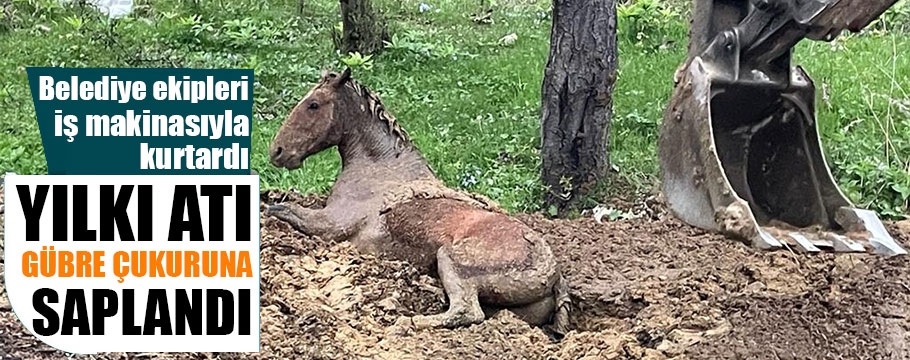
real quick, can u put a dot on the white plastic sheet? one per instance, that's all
(112, 8)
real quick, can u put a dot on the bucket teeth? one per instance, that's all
(867, 223)
(802, 244)
(766, 241)
(832, 243)
(844, 244)
(813, 241)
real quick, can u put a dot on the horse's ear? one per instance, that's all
(344, 77)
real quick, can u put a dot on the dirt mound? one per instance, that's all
(682, 291)
(641, 289)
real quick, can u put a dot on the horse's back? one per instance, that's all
(482, 244)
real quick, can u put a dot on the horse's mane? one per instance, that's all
(378, 112)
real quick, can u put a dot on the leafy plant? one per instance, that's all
(896, 18)
(240, 33)
(648, 23)
(8, 17)
(74, 22)
(411, 44)
(356, 60)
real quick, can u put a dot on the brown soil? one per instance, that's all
(642, 289)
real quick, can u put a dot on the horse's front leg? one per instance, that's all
(314, 222)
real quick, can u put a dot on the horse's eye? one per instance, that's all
(313, 106)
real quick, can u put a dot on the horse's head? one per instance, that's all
(312, 125)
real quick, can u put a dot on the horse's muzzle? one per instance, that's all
(279, 157)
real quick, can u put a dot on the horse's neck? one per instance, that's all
(368, 180)
(367, 146)
(365, 140)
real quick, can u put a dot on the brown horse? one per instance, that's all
(388, 201)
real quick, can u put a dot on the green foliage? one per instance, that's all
(357, 61)
(896, 18)
(411, 45)
(470, 104)
(230, 34)
(864, 116)
(649, 24)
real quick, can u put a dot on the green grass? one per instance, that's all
(471, 105)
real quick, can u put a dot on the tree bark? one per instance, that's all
(364, 28)
(577, 101)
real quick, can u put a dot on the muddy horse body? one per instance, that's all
(387, 200)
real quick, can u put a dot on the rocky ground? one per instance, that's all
(648, 288)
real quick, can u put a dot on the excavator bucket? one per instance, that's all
(739, 148)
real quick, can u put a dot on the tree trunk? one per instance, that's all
(577, 100)
(364, 29)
